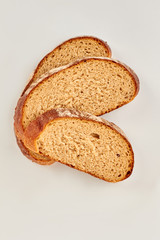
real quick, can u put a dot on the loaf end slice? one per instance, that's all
(82, 141)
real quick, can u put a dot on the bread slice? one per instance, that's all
(82, 141)
(70, 51)
(94, 85)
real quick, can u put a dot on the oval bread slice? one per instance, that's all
(70, 51)
(82, 141)
(94, 85)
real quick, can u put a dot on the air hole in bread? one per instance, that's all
(128, 172)
(119, 75)
(95, 135)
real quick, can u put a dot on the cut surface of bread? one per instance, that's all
(82, 141)
(70, 51)
(94, 85)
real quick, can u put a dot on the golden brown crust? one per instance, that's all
(18, 128)
(104, 43)
(33, 156)
(35, 128)
(43, 160)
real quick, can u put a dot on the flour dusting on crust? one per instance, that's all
(63, 112)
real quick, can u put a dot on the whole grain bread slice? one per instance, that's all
(70, 51)
(82, 141)
(94, 85)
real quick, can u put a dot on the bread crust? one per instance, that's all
(104, 43)
(42, 160)
(36, 127)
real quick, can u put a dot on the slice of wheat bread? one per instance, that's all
(70, 51)
(94, 85)
(82, 141)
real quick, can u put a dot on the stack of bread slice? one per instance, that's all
(56, 115)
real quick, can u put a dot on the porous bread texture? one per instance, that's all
(86, 143)
(93, 85)
(19, 109)
(70, 51)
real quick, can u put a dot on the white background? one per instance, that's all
(57, 202)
